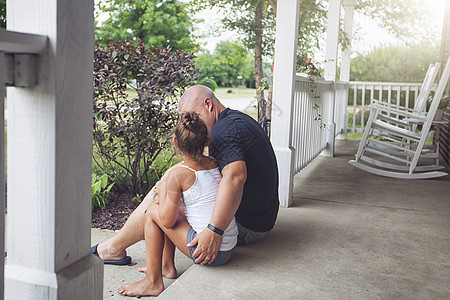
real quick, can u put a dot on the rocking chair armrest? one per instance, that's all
(386, 118)
(400, 112)
(421, 121)
(391, 105)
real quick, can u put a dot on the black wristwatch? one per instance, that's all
(215, 229)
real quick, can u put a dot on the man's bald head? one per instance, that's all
(194, 97)
(202, 100)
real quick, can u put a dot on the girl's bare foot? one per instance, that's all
(168, 271)
(143, 269)
(145, 287)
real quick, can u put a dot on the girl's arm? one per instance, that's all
(169, 192)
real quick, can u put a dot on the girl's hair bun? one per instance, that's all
(191, 133)
(191, 121)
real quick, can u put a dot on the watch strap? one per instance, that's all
(215, 229)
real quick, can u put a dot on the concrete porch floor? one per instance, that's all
(348, 235)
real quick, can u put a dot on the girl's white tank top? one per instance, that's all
(199, 202)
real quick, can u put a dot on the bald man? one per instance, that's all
(248, 189)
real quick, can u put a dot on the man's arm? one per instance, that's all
(229, 195)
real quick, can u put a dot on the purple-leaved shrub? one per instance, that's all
(134, 109)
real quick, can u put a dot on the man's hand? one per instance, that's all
(208, 245)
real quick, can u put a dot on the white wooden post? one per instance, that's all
(334, 12)
(286, 38)
(2, 170)
(49, 158)
(334, 9)
(349, 7)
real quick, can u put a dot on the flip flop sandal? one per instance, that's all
(119, 262)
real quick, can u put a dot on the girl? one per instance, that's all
(194, 183)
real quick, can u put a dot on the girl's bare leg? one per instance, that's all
(131, 232)
(168, 260)
(152, 284)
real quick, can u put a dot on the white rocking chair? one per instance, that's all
(388, 114)
(419, 104)
(392, 147)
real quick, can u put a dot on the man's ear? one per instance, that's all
(208, 103)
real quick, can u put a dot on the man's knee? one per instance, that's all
(247, 236)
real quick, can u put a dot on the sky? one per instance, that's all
(371, 35)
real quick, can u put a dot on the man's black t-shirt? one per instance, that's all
(237, 137)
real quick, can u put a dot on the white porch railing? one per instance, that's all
(323, 111)
(361, 94)
(310, 107)
(318, 111)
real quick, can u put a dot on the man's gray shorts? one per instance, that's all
(247, 236)
(222, 257)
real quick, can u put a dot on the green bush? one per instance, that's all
(209, 82)
(100, 190)
(131, 129)
(358, 118)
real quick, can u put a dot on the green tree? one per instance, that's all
(157, 23)
(248, 72)
(394, 63)
(2, 13)
(255, 20)
(225, 64)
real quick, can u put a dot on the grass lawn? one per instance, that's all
(354, 135)
(358, 136)
(237, 92)
(221, 93)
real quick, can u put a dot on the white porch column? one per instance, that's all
(286, 39)
(334, 9)
(334, 12)
(49, 158)
(349, 7)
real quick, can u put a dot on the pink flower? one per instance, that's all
(308, 60)
(299, 53)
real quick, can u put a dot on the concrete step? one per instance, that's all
(115, 276)
(348, 235)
